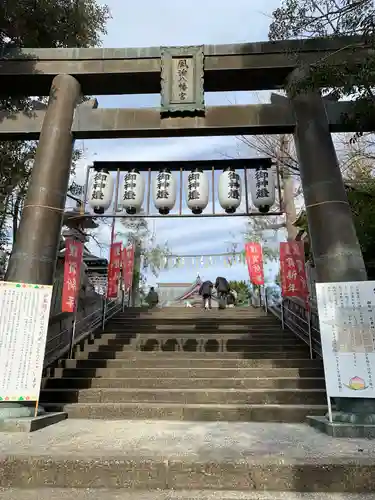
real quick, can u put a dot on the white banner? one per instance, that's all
(347, 330)
(24, 316)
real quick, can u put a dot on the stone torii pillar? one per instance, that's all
(34, 254)
(335, 246)
(35, 251)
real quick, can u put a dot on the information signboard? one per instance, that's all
(24, 316)
(347, 330)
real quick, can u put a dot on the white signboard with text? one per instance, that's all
(24, 316)
(347, 330)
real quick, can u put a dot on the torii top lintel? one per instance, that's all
(101, 71)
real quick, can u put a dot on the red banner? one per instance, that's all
(114, 270)
(124, 266)
(128, 267)
(72, 274)
(254, 259)
(292, 270)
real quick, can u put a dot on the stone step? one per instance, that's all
(151, 456)
(234, 333)
(206, 321)
(195, 312)
(201, 330)
(144, 355)
(115, 340)
(185, 383)
(192, 412)
(195, 324)
(235, 347)
(186, 396)
(194, 362)
(211, 317)
(125, 494)
(185, 373)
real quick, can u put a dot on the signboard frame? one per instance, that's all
(347, 330)
(24, 319)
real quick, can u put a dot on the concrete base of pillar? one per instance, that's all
(19, 410)
(342, 429)
(31, 424)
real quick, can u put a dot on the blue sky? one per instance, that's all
(147, 23)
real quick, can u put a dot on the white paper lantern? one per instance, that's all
(197, 191)
(230, 190)
(263, 188)
(132, 192)
(164, 191)
(100, 191)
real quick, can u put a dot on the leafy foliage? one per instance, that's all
(362, 202)
(361, 197)
(52, 23)
(327, 18)
(278, 279)
(136, 230)
(39, 24)
(259, 232)
(243, 290)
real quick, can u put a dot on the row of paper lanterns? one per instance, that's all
(262, 184)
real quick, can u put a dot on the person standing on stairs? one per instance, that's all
(222, 289)
(205, 291)
(152, 298)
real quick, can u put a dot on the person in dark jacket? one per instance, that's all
(152, 298)
(222, 289)
(206, 292)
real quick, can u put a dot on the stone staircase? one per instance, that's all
(186, 405)
(187, 364)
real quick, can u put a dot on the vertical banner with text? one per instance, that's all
(254, 259)
(292, 270)
(129, 267)
(124, 265)
(72, 274)
(114, 270)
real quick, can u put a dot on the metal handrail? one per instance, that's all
(100, 317)
(286, 315)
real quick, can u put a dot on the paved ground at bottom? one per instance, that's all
(102, 494)
(172, 440)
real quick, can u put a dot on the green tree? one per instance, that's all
(278, 278)
(39, 24)
(260, 231)
(136, 230)
(327, 18)
(52, 23)
(243, 289)
(358, 172)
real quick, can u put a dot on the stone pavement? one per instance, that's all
(170, 440)
(151, 455)
(101, 494)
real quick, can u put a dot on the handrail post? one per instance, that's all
(282, 315)
(265, 299)
(123, 299)
(74, 326)
(308, 317)
(104, 312)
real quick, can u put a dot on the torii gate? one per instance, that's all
(182, 74)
